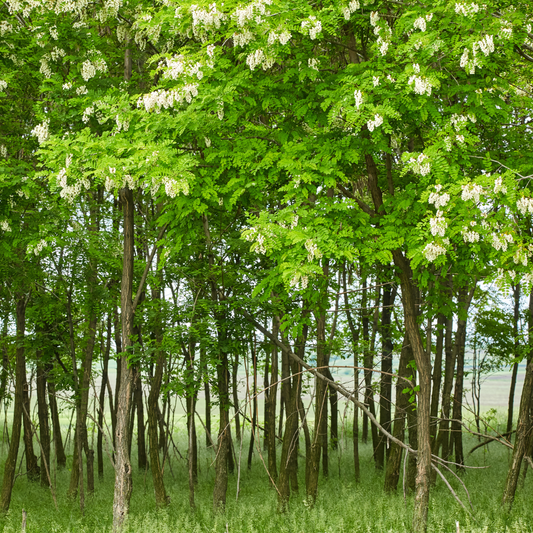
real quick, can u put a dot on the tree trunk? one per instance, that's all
(32, 467)
(443, 437)
(101, 402)
(385, 395)
(123, 477)
(516, 318)
(319, 442)
(392, 473)
(423, 363)
(289, 448)
(61, 458)
(522, 437)
(42, 410)
(20, 378)
(437, 378)
(270, 420)
(207, 394)
(235, 391)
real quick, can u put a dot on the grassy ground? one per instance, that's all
(342, 505)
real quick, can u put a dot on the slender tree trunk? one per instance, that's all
(319, 441)
(61, 458)
(516, 318)
(289, 448)
(235, 390)
(522, 437)
(423, 363)
(385, 396)
(412, 430)
(443, 437)
(123, 474)
(437, 378)
(207, 394)
(42, 409)
(20, 378)
(270, 421)
(161, 498)
(32, 467)
(101, 402)
(142, 462)
(253, 436)
(392, 473)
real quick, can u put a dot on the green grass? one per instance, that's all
(342, 505)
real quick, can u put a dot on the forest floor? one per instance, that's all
(342, 506)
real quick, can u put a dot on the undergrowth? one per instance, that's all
(342, 506)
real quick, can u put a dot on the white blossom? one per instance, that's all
(243, 37)
(420, 24)
(3, 85)
(383, 46)
(4, 224)
(420, 165)
(311, 26)
(438, 225)
(471, 191)
(470, 235)
(358, 96)
(211, 50)
(499, 187)
(439, 200)
(352, 7)
(422, 85)
(375, 122)
(205, 20)
(501, 241)
(41, 132)
(525, 205)
(486, 45)
(3, 151)
(433, 250)
(468, 10)
(375, 81)
(520, 257)
(312, 250)
(81, 90)
(174, 187)
(313, 63)
(374, 17)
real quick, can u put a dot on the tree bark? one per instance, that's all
(392, 473)
(123, 474)
(271, 402)
(516, 317)
(42, 410)
(61, 458)
(20, 378)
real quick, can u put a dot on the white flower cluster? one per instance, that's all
(500, 242)
(174, 187)
(283, 37)
(375, 81)
(243, 37)
(67, 86)
(358, 96)
(5, 27)
(45, 69)
(38, 248)
(176, 66)
(422, 85)
(311, 26)
(438, 225)
(439, 200)
(299, 282)
(486, 45)
(41, 132)
(4, 224)
(109, 10)
(470, 64)
(251, 11)
(375, 122)
(353, 6)
(471, 191)
(90, 68)
(420, 22)
(520, 257)
(459, 121)
(70, 192)
(3, 85)
(81, 90)
(313, 63)
(166, 99)
(468, 10)
(122, 33)
(420, 165)
(499, 186)
(433, 250)
(312, 250)
(87, 114)
(122, 123)
(374, 18)
(3, 151)
(204, 20)
(470, 235)
(57, 53)
(259, 58)
(506, 29)
(525, 205)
